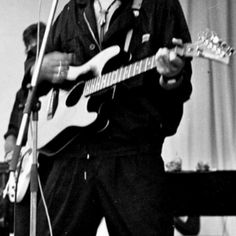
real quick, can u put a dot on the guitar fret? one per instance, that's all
(111, 78)
(103, 81)
(118, 77)
(149, 63)
(106, 80)
(93, 85)
(142, 67)
(96, 83)
(109, 82)
(86, 88)
(98, 87)
(132, 71)
(99, 81)
(145, 60)
(114, 77)
(136, 68)
(89, 86)
(121, 73)
(126, 72)
(129, 75)
(153, 62)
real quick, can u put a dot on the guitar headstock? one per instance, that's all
(209, 46)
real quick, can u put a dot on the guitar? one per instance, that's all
(72, 109)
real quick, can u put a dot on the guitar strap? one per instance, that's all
(136, 8)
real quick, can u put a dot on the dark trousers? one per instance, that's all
(128, 190)
(22, 216)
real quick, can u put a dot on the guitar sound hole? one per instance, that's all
(75, 94)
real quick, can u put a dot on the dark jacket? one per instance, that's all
(141, 111)
(19, 104)
(16, 113)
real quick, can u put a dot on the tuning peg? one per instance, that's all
(224, 44)
(202, 36)
(230, 51)
(216, 40)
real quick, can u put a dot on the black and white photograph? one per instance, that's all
(118, 118)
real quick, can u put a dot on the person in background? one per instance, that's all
(118, 172)
(32, 36)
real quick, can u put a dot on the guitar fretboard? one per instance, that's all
(123, 73)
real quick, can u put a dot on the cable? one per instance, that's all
(45, 206)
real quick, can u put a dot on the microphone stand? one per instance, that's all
(32, 106)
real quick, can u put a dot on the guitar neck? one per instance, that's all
(124, 73)
(198, 49)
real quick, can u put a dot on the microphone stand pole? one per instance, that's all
(30, 103)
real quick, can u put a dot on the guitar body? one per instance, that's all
(75, 111)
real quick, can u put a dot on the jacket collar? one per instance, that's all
(123, 22)
(81, 2)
